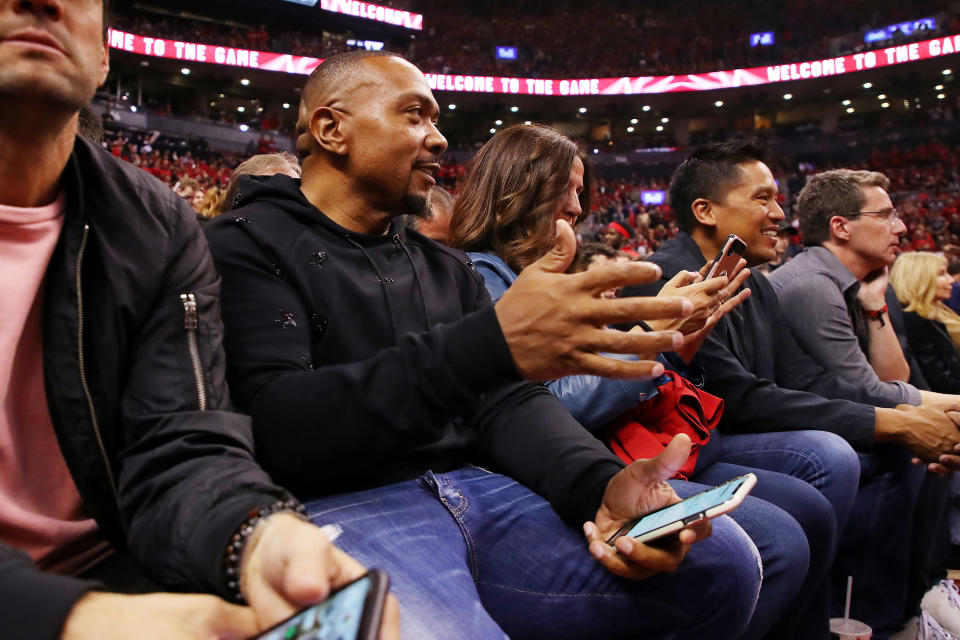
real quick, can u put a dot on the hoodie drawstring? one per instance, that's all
(380, 278)
(416, 277)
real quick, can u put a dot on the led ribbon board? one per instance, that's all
(374, 12)
(287, 63)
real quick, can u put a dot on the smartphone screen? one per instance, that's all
(336, 618)
(690, 509)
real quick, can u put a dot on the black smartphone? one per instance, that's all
(702, 506)
(352, 612)
(728, 258)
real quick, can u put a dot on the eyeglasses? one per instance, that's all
(892, 216)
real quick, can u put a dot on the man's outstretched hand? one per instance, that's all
(556, 323)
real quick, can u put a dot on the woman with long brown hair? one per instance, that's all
(520, 185)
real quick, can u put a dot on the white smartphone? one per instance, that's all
(728, 257)
(352, 612)
(702, 506)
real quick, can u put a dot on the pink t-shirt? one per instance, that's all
(41, 511)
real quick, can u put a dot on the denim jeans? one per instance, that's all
(813, 476)
(897, 525)
(473, 554)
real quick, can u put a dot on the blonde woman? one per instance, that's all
(209, 207)
(922, 284)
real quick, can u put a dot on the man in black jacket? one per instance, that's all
(772, 387)
(371, 358)
(121, 464)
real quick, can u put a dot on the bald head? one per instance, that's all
(347, 82)
(368, 130)
(337, 75)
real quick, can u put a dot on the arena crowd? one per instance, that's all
(232, 383)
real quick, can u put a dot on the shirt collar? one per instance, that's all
(836, 269)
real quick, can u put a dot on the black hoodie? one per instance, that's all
(369, 359)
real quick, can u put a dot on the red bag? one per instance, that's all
(678, 407)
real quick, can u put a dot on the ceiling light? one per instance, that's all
(659, 127)
(788, 96)
(867, 85)
(646, 107)
(185, 71)
(582, 109)
(718, 103)
(514, 109)
(664, 120)
(846, 103)
(245, 82)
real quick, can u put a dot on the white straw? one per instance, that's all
(846, 610)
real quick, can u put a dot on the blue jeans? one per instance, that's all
(473, 554)
(780, 541)
(813, 476)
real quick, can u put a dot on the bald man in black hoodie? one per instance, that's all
(371, 359)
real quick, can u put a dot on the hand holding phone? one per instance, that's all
(728, 258)
(352, 612)
(697, 508)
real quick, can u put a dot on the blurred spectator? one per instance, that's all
(265, 164)
(922, 284)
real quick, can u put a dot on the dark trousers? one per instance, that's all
(895, 542)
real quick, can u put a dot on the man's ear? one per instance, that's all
(328, 129)
(104, 64)
(839, 228)
(704, 212)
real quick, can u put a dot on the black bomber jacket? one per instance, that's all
(134, 376)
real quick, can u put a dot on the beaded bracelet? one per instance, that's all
(234, 554)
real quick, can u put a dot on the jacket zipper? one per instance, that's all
(191, 323)
(83, 369)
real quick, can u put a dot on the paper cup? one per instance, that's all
(850, 629)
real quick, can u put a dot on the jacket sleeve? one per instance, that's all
(527, 435)
(35, 604)
(754, 404)
(344, 422)
(187, 474)
(815, 313)
(797, 370)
